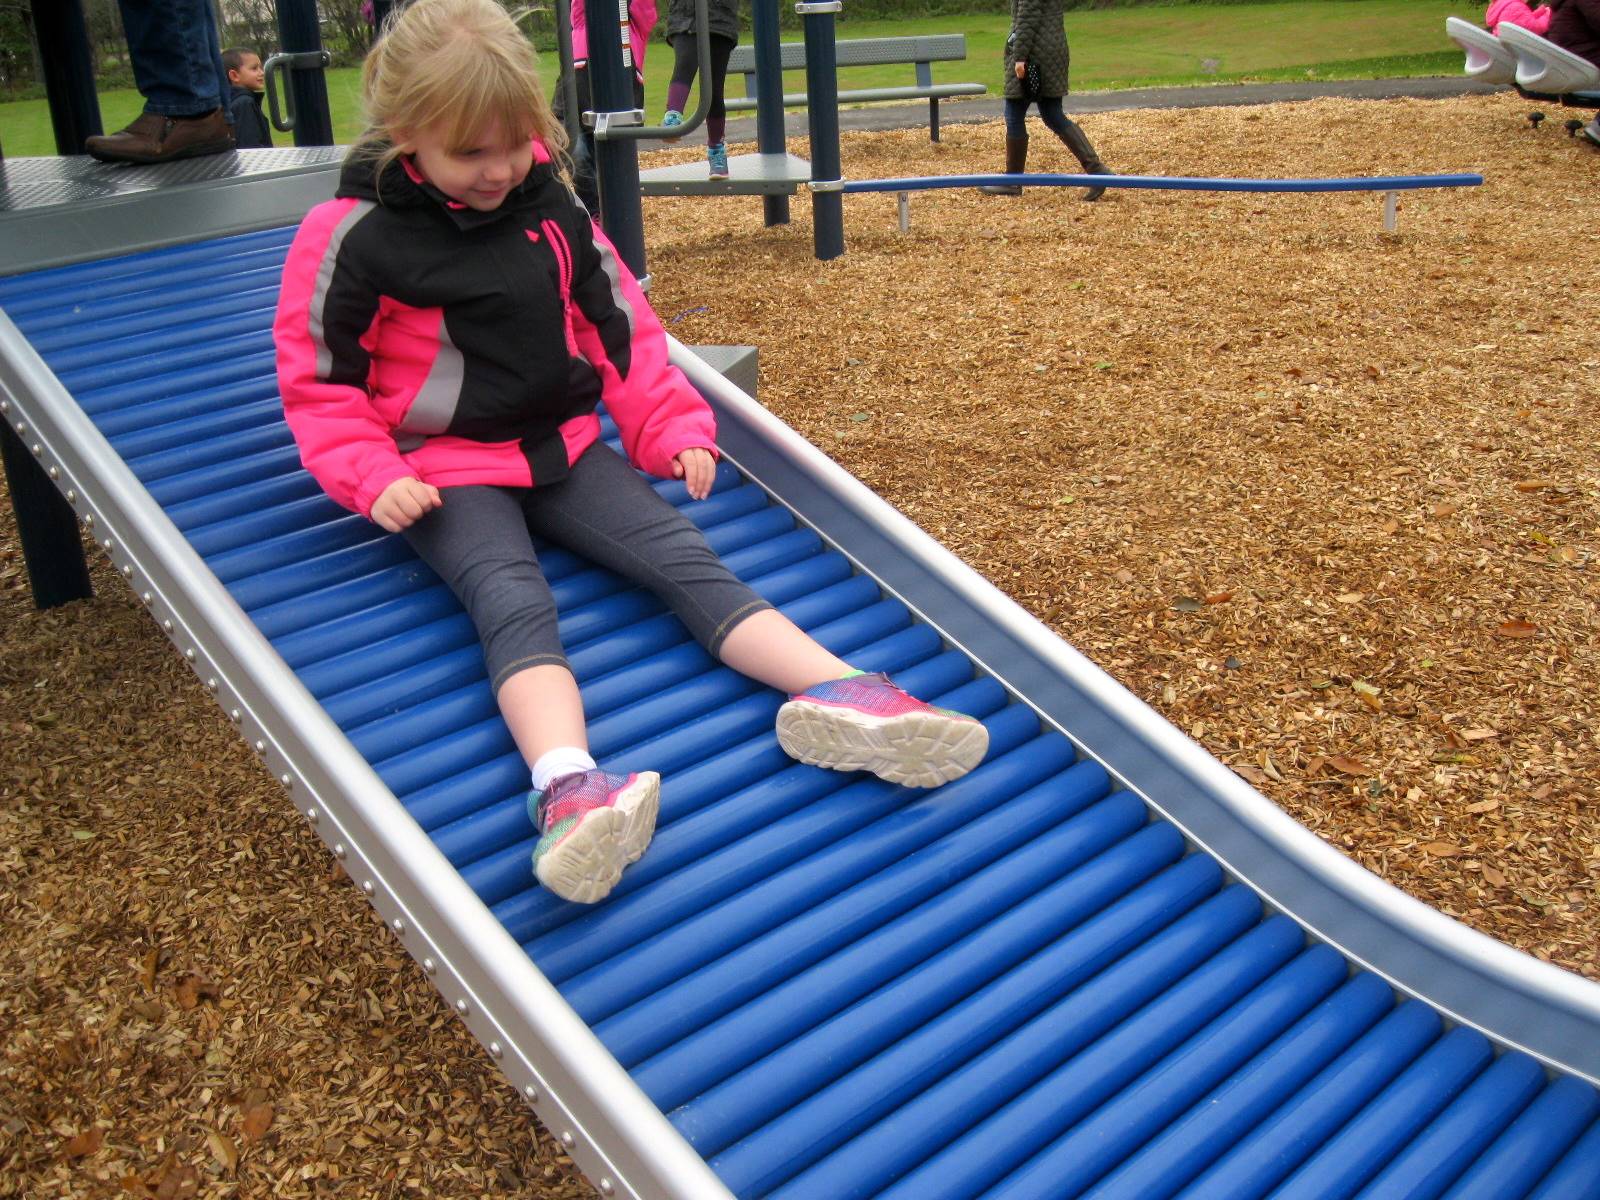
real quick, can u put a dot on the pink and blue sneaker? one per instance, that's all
(717, 160)
(593, 824)
(864, 723)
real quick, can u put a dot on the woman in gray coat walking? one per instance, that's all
(1036, 73)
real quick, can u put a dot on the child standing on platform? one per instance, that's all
(447, 326)
(641, 20)
(722, 18)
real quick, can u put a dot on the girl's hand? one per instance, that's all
(1021, 69)
(404, 502)
(697, 467)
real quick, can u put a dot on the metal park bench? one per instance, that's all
(870, 52)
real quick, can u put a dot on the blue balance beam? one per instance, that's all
(1390, 185)
(1166, 183)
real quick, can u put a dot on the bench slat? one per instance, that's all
(939, 91)
(864, 52)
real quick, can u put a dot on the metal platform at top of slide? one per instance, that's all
(1100, 965)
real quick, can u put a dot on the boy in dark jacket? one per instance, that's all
(245, 73)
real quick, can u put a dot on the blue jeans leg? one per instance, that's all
(1050, 112)
(1054, 118)
(1017, 118)
(177, 61)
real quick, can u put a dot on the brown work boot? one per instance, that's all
(153, 138)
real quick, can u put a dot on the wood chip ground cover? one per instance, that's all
(1324, 497)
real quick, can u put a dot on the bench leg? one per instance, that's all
(933, 118)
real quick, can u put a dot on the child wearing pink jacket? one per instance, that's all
(447, 327)
(1534, 20)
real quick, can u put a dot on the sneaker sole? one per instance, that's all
(586, 864)
(916, 749)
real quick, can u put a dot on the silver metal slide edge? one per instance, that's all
(614, 1133)
(1513, 998)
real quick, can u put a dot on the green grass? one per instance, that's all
(1111, 48)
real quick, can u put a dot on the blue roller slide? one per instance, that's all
(1098, 966)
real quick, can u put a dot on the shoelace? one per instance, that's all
(550, 795)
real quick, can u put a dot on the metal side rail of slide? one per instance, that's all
(1100, 965)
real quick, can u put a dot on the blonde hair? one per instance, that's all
(458, 65)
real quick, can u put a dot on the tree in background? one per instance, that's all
(20, 68)
(252, 23)
(19, 54)
(345, 31)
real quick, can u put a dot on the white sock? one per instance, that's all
(563, 760)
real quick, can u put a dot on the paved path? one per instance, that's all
(991, 108)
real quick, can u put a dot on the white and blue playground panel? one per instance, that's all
(1534, 65)
(1100, 965)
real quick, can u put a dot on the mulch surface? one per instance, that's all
(1323, 496)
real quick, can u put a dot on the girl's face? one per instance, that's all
(479, 174)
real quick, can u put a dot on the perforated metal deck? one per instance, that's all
(1023, 984)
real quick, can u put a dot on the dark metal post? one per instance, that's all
(68, 72)
(298, 33)
(616, 159)
(769, 98)
(567, 76)
(46, 527)
(822, 86)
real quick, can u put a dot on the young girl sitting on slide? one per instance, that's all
(447, 326)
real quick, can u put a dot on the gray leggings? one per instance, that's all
(478, 542)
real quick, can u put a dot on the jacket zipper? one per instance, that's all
(563, 253)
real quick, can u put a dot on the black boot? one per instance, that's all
(1016, 163)
(1078, 142)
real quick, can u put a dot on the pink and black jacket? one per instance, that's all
(1534, 20)
(417, 336)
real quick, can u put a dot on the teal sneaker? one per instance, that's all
(672, 119)
(593, 825)
(864, 723)
(717, 156)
